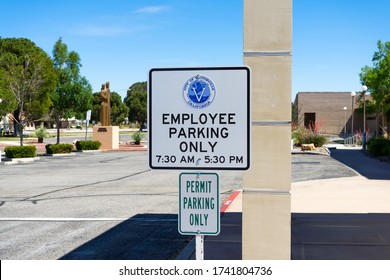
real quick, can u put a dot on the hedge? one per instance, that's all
(58, 148)
(88, 145)
(379, 147)
(20, 151)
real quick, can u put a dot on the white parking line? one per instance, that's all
(87, 219)
(64, 219)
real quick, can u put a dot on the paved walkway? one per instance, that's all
(332, 219)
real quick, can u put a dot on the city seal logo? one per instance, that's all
(199, 91)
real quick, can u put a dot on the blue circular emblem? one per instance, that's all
(199, 91)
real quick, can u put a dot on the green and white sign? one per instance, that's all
(199, 203)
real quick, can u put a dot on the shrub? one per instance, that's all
(88, 145)
(317, 139)
(58, 148)
(379, 147)
(297, 135)
(307, 136)
(137, 137)
(41, 133)
(20, 152)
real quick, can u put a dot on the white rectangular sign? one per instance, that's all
(199, 118)
(88, 116)
(199, 204)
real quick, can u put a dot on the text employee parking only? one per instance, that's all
(199, 118)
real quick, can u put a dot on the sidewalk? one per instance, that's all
(332, 219)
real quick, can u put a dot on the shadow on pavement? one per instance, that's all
(340, 237)
(228, 244)
(368, 167)
(225, 246)
(142, 237)
(313, 237)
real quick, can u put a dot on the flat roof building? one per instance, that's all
(334, 113)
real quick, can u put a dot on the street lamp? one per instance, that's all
(364, 90)
(345, 121)
(353, 109)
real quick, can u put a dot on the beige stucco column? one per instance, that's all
(266, 186)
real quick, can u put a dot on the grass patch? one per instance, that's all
(9, 138)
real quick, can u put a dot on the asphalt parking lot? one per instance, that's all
(107, 205)
(307, 167)
(103, 205)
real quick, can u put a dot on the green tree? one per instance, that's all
(73, 93)
(8, 101)
(136, 100)
(26, 80)
(96, 107)
(296, 120)
(119, 110)
(377, 79)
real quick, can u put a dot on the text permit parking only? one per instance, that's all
(199, 203)
(199, 118)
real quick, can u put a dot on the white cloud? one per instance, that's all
(153, 9)
(120, 24)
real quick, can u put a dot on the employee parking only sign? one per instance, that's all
(199, 118)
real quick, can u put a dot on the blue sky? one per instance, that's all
(120, 40)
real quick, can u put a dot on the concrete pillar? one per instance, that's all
(266, 186)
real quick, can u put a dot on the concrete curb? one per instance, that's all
(297, 152)
(11, 161)
(59, 155)
(86, 151)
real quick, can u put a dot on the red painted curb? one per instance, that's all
(228, 201)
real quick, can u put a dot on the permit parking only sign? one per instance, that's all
(199, 204)
(199, 118)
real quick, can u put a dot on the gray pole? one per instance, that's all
(345, 122)
(364, 89)
(353, 111)
(199, 244)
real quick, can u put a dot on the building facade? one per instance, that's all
(334, 113)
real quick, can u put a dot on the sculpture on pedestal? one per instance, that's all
(105, 102)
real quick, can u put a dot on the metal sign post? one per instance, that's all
(199, 247)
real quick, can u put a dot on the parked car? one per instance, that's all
(144, 127)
